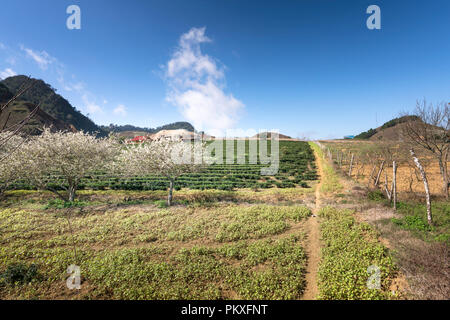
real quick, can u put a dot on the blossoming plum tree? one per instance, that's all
(60, 160)
(167, 157)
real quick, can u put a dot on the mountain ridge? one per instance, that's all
(55, 111)
(390, 130)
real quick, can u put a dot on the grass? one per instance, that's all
(349, 249)
(144, 251)
(414, 219)
(184, 196)
(330, 179)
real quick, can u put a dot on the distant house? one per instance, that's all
(138, 139)
(349, 137)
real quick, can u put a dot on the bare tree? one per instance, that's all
(429, 129)
(351, 166)
(425, 183)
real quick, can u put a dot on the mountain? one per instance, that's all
(128, 127)
(56, 112)
(390, 130)
(52, 104)
(269, 136)
(19, 110)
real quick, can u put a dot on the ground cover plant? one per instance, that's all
(146, 252)
(413, 219)
(349, 250)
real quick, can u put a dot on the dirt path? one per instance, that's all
(313, 243)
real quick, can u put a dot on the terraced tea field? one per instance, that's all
(296, 168)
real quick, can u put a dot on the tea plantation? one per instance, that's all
(296, 167)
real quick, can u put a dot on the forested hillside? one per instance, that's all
(52, 103)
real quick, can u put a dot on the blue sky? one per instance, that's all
(306, 67)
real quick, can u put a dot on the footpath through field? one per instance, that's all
(313, 241)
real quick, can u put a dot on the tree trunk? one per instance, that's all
(169, 198)
(57, 193)
(443, 170)
(388, 193)
(371, 175)
(425, 183)
(379, 173)
(351, 166)
(394, 184)
(72, 191)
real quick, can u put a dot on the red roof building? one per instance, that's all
(138, 139)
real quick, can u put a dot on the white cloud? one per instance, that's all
(196, 85)
(78, 86)
(2, 46)
(7, 73)
(90, 106)
(120, 110)
(55, 69)
(43, 59)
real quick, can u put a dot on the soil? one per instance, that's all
(313, 244)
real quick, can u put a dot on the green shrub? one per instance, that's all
(376, 195)
(349, 249)
(161, 203)
(19, 273)
(412, 223)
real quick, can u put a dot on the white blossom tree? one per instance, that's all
(166, 157)
(10, 167)
(59, 160)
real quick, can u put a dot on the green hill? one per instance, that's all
(20, 109)
(52, 103)
(57, 112)
(388, 131)
(129, 127)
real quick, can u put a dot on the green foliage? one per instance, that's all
(5, 94)
(172, 126)
(396, 121)
(141, 256)
(203, 273)
(296, 160)
(349, 248)
(19, 273)
(53, 104)
(412, 223)
(376, 195)
(414, 218)
(366, 134)
(61, 204)
(161, 203)
(330, 179)
(259, 221)
(391, 123)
